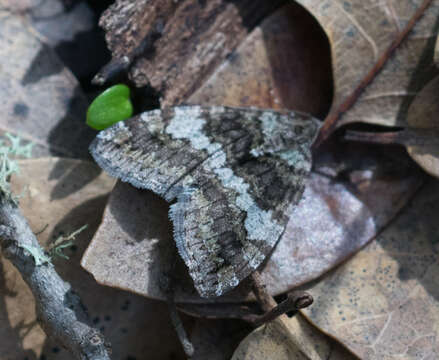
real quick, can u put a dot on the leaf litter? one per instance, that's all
(356, 183)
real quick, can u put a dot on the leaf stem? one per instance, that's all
(334, 116)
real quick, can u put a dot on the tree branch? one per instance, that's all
(59, 309)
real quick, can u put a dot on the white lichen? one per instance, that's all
(8, 164)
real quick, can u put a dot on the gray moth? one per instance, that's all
(230, 174)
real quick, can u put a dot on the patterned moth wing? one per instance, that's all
(231, 173)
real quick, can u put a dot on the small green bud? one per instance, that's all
(111, 106)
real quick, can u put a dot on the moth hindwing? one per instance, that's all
(231, 172)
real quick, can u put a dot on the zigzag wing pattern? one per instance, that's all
(232, 172)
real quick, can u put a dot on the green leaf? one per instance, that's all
(111, 106)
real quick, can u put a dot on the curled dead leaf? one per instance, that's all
(424, 114)
(359, 32)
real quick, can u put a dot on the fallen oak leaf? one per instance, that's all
(217, 339)
(420, 137)
(54, 20)
(383, 303)
(423, 114)
(364, 34)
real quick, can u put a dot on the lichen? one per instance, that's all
(8, 163)
(63, 242)
(39, 256)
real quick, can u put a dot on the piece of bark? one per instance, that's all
(175, 46)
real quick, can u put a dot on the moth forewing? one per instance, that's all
(232, 173)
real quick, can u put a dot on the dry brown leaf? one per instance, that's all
(275, 67)
(41, 100)
(383, 303)
(359, 31)
(124, 318)
(424, 114)
(352, 194)
(290, 339)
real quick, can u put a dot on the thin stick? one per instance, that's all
(391, 137)
(295, 301)
(59, 309)
(405, 137)
(179, 328)
(119, 65)
(334, 116)
(168, 286)
(264, 298)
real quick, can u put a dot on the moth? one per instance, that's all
(230, 174)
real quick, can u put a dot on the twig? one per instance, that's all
(167, 284)
(179, 328)
(119, 65)
(295, 300)
(334, 116)
(63, 242)
(59, 309)
(407, 137)
(221, 310)
(264, 298)
(113, 69)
